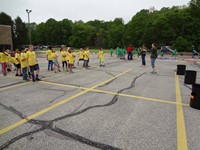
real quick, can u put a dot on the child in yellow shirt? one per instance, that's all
(80, 56)
(3, 57)
(63, 58)
(71, 59)
(33, 64)
(50, 59)
(55, 61)
(24, 64)
(101, 57)
(86, 55)
(18, 63)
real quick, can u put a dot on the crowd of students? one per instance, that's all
(68, 58)
(25, 63)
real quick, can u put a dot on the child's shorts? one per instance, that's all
(101, 60)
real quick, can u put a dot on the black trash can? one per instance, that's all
(181, 69)
(190, 77)
(195, 96)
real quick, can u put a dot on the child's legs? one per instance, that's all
(50, 64)
(63, 64)
(24, 71)
(153, 62)
(3, 68)
(32, 72)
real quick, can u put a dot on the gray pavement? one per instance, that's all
(120, 106)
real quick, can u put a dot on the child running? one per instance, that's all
(101, 57)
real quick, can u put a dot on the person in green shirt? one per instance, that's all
(117, 51)
(111, 52)
(174, 53)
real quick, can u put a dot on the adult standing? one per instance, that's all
(129, 51)
(143, 50)
(153, 57)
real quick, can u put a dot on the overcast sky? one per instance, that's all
(84, 10)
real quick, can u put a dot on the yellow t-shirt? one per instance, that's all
(80, 54)
(31, 58)
(67, 58)
(86, 55)
(23, 60)
(71, 58)
(54, 56)
(8, 57)
(3, 58)
(17, 58)
(101, 55)
(63, 55)
(12, 59)
(49, 54)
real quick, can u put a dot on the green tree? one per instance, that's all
(5, 19)
(20, 32)
(82, 35)
(116, 33)
(181, 44)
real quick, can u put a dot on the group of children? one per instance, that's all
(67, 58)
(25, 63)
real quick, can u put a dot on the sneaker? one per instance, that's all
(37, 79)
(55, 71)
(59, 71)
(16, 75)
(21, 75)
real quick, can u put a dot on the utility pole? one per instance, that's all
(29, 30)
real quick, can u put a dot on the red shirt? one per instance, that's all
(129, 49)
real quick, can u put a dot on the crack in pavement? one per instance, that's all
(51, 124)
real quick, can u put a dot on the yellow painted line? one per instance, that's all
(120, 94)
(181, 61)
(13, 86)
(58, 75)
(181, 133)
(8, 128)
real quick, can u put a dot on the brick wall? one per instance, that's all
(6, 35)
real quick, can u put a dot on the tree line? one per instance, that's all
(173, 26)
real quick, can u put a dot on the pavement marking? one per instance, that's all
(20, 84)
(41, 112)
(181, 133)
(120, 94)
(181, 61)
(12, 86)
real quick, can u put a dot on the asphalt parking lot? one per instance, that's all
(119, 106)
